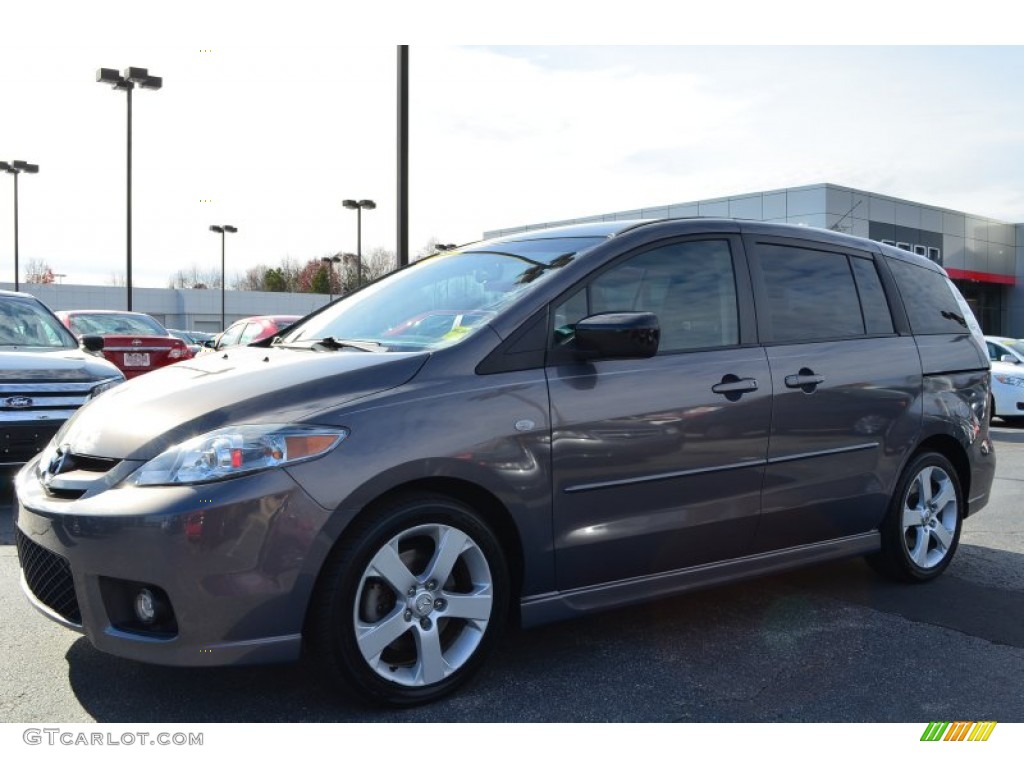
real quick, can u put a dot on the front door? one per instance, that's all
(658, 463)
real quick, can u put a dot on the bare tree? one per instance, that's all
(377, 263)
(194, 277)
(38, 271)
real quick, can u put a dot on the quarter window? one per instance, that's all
(928, 296)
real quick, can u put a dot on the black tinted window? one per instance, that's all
(811, 294)
(690, 287)
(872, 297)
(928, 297)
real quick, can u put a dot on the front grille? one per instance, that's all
(48, 575)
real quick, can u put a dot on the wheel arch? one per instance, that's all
(950, 447)
(486, 504)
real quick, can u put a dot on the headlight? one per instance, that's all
(102, 387)
(1010, 381)
(235, 451)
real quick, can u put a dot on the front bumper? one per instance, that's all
(237, 561)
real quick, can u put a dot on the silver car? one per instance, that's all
(45, 376)
(637, 409)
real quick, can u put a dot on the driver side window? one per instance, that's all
(690, 286)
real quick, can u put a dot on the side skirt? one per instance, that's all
(556, 606)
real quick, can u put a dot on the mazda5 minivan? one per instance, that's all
(639, 409)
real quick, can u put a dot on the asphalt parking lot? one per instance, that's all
(829, 644)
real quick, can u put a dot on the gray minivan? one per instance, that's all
(531, 427)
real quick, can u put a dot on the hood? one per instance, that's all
(34, 364)
(245, 385)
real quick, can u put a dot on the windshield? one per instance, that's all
(24, 323)
(109, 324)
(442, 299)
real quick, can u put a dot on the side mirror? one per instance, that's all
(618, 336)
(1009, 359)
(92, 343)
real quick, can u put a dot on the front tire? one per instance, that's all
(413, 601)
(922, 529)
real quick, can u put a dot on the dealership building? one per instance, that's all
(983, 256)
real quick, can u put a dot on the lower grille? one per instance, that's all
(48, 575)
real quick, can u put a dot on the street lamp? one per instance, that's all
(14, 168)
(132, 76)
(330, 261)
(358, 206)
(222, 230)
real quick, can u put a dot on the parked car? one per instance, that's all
(44, 376)
(1007, 391)
(1005, 350)
(194, 340)
(645, 408)
(133, 341)
(252, 329)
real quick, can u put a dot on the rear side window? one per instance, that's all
(877, 319)
(811, 294)
(931, 304)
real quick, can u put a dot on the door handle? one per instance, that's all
(805, 379)
(733, 387)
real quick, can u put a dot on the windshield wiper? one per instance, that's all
(333, 344)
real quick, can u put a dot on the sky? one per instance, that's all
(271, 114)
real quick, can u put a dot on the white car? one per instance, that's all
(1007, 390)
(1002, 348)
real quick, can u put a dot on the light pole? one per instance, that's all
(358, 206)
(14, 168)
(132, 76)
(222, 230)
(330, 261)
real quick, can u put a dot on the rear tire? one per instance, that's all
(410, 605)
(921, 531)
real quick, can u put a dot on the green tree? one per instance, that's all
(321, 280)
(274, 280)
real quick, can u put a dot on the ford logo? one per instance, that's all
(18, 402)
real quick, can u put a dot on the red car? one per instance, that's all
(133, 341)
(253, 329)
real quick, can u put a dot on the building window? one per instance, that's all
(934, 254)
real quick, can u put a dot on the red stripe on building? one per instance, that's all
(981, 277)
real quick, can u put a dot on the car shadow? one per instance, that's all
(725, 654)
